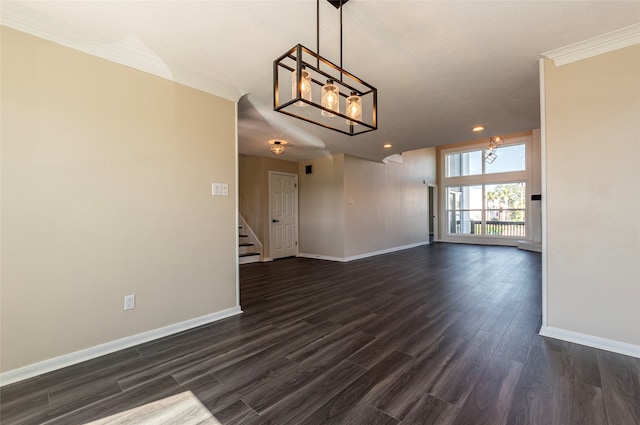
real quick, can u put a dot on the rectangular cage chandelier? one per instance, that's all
(311, 88)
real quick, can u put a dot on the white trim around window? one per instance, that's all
(486, 179)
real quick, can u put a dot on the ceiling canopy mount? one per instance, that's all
(338, 3)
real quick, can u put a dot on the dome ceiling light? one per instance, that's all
(277, 146)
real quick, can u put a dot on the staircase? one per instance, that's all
(249, 247)
(247, 250)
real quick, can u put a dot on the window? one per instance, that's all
(471, 163)
(505, 209)
(489, 209)
(510, 158)
(464, 209)
(486, 200)
(464, 164)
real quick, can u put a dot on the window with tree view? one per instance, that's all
(505, 209)
(486, 199)
(488, 209)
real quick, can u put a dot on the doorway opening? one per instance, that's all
(433, 208)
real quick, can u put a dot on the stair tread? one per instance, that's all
(246, 244)
(243, 236)
(248, 254)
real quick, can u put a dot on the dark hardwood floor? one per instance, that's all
(439, 335)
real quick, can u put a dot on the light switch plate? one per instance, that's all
(219, 189)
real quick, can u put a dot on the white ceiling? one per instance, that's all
(440, 67)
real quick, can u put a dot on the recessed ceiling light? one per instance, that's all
(477, 128)
(387, 145)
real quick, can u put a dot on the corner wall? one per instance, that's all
(387, 204)
(592, 200)
(352, 208)
(106, 191)
(321, 208)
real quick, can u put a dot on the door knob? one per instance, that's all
(275, 221)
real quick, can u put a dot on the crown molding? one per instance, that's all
(614, 40)
(21, 18)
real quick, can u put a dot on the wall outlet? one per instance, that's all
(129, 302)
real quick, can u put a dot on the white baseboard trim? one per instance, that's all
(365, 255)
(386, 251)
(321, 257)
(248, 260)
(480, 240)
(267, 259)
(591, 341)
(55, 363)
(530, 246)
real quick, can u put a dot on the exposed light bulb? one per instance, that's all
(354, 108)
(330, 98)
(305, 86)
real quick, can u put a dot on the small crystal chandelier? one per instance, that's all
(277, 146)
(492, 149)
(309, 72)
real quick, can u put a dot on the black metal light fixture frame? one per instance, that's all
(290, 101)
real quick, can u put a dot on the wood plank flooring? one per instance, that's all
(183, 409)
(442, 334)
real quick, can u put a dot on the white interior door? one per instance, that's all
(283, 207)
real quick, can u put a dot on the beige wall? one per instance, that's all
(253, 193)
(321, 207)
(535, 207)
(351, 207)
(593, 195)
(106, 191)
(387, 204)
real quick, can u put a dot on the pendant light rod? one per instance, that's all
(339, 6)
(341, 39)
